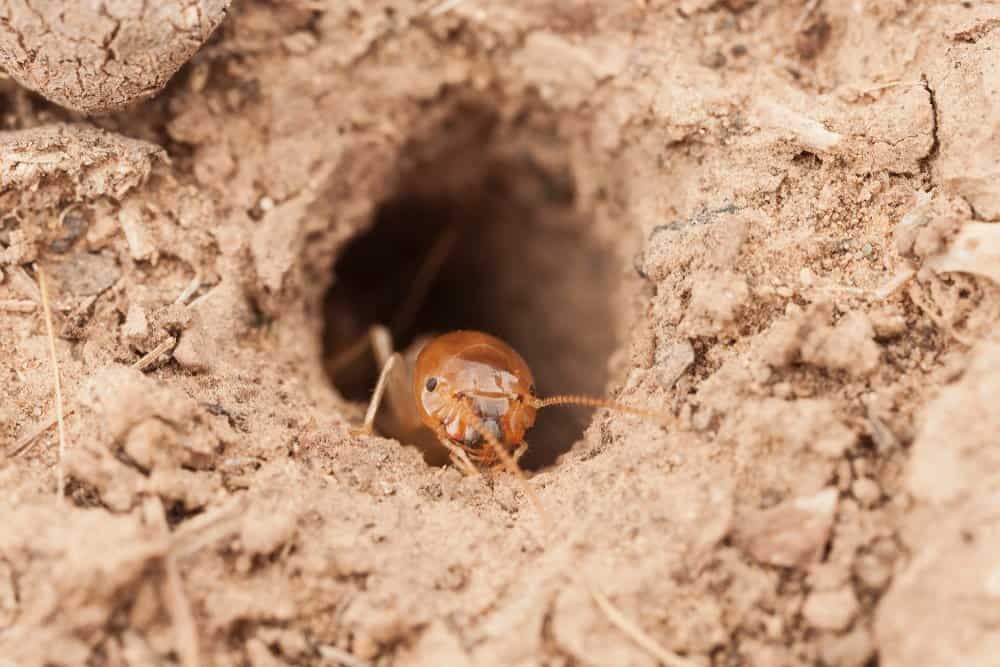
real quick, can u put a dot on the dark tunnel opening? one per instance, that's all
(517, 261)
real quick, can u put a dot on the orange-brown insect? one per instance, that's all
(490, 376)
(474, 393)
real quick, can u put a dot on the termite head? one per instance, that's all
(465, 376)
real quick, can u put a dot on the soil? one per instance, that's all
(774, 221)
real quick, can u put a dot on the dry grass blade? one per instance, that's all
(185, 630)
(207, 528)
(189, 290)
(424, 280)
(60, 478)
(637, 634)
(893, 285)
(444, 7)
(24, 444)
(18, 306)
(342, 657)
(150, 357)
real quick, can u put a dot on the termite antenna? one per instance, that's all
(415, 298)
(428, 273)
(594, 402)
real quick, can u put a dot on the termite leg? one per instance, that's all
(383, 380)
(429, 270)
(514, 455)
(462, 462)
(394, 380)
(458, 455)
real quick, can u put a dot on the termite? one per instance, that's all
(472, 392)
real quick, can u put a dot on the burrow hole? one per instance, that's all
(524, 265)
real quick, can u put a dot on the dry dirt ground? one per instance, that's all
(773, 220)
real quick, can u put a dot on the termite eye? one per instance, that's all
(432, 384)
(531, 390)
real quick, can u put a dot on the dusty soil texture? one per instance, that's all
(776, 221)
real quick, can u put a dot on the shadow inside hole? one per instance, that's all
(525, 267)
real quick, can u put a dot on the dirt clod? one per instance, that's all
(830, 610)
(93, 59)
(792, 533)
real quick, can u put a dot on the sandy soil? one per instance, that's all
(774, 220)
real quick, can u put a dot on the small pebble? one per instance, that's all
(831, 575)
(299, 43)
(774, 626)
(702, 419)
(855, 649)
(672, 361)
(714, 60)
(830, 610)
(885, 548)
(199, 76)
(866, 491)
(75, 224)
(872, 571)
(792, 533)
(992, 586)
(136, 326)
(888, 323)
(849, 507)
(364, 647)
(259, 655)
(293, 643)
(782, 390)
(244, 564)
(761, 373)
